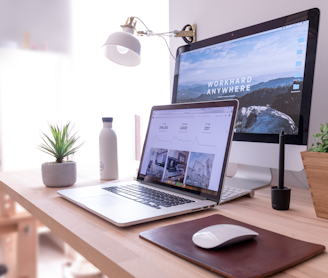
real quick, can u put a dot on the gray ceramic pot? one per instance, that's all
(59, 174)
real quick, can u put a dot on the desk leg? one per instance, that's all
(8, 253)
(27, 244)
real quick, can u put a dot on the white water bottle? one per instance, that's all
(108, 151)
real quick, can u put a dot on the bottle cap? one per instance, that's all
(107, 119)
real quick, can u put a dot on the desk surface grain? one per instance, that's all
(119, 252)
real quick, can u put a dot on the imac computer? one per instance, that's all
(269, 68)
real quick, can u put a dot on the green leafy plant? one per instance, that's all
(62, 143)
(321, 147)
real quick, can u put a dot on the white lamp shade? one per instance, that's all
(131, 57)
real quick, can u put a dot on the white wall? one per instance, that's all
(105, 89)
(46, 22)
(215, 17)
(35, 89)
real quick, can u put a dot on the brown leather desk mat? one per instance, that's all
(266, 254)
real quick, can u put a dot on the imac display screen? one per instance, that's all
(264, 71)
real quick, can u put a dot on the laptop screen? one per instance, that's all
(186, 147)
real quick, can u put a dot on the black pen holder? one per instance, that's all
(280, 198)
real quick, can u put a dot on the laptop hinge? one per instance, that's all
(213, 200)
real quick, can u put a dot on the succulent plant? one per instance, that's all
(62, 143)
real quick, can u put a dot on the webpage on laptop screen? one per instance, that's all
(184, 146)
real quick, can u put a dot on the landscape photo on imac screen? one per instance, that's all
(263, 71)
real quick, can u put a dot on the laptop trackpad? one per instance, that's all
(101, 201)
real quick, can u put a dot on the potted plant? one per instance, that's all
(315, 162)
(59, 173)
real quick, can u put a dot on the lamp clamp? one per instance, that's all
(188, 33)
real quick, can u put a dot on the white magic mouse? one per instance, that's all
(222, 235)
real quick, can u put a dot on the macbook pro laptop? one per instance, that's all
(182, 167)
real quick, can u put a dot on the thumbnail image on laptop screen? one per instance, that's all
(263, 71)
(186, 147)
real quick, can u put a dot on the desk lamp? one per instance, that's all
(124, 48)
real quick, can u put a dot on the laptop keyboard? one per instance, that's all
(157, 199)
(150, 197)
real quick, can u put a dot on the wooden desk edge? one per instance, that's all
(65, 234)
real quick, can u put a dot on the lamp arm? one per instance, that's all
(184, 33)
(149, 32)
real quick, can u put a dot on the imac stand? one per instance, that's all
(250, 177)
(255, 161)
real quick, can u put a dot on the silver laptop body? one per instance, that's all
(182, 167)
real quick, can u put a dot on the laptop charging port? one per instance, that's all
(205, 207)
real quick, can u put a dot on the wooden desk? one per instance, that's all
(119, 252)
